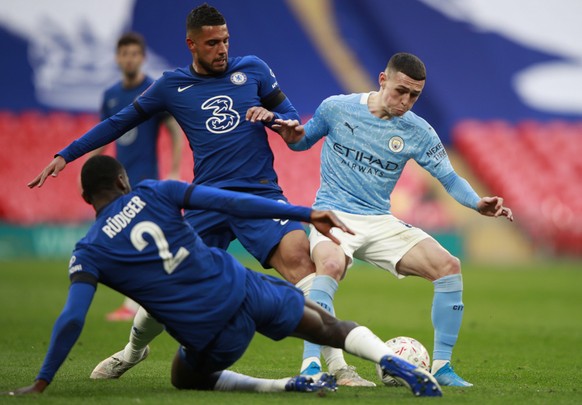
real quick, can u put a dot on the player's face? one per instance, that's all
(398, 92)
(209, 47)
(129, 59)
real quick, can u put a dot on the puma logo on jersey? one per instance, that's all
(347, 124)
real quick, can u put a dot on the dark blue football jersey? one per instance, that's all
(181, 280)
(141, 246)
(228, 150)
(137, 148)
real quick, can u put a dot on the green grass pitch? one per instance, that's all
(520, 342)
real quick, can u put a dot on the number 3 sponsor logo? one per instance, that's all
(224, 117)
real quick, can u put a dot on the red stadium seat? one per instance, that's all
(537, 167)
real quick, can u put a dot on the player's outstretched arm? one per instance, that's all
(37, 388)
(493, 207)
(290, 130)
(323, 221)
(53, 169)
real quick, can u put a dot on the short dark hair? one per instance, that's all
(408, 64)
(132, 38)
(203, 15)
(99, 173)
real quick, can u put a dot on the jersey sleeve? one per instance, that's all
(83, 267)
(103, 133)
(67, 329)
(315, 129)
(434, 158)
(432, 155)
(242, 205)
(267, 80)
(153, 99)
(68, 326)
(460, 190)
(271, 95)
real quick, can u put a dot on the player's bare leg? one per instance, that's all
(291, 259)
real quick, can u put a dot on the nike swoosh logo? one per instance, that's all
(181, 89)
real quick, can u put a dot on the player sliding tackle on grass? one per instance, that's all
(223, 104)
(141, 246)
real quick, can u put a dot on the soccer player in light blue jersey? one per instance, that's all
(369, 138)
(137, 149)
(223, 105)
(141, 246)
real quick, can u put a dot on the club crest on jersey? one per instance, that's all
(396, 144)
(238, 78)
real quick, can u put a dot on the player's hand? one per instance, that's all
(493, 207)
(37, 388)
(259, 114)
(290, 130)
(325, 220)
(53, 169)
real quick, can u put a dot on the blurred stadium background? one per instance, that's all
(503, 92)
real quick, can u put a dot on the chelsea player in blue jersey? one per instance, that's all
(368, 140)
(141, 246)
(223, 105)
(137, 149)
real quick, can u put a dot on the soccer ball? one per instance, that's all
(410, 350)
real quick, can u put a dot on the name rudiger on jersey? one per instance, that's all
(119, 221)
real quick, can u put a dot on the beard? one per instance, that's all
(210, 69)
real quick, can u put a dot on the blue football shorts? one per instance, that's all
(272, 307)
(258, 236)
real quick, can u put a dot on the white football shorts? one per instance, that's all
(381, 240)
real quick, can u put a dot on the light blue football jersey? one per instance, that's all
(363, 156)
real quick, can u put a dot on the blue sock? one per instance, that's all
(322, 291)
(447, 314)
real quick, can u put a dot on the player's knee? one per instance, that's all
(332, 268)
(452, 265)
(294, 264)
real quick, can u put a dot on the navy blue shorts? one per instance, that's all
(272, 307)
(258, 236)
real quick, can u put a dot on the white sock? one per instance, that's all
(363, 343)
(145, 328)
(334, 358)
(231, 381)
(305, 284)
(130, 304)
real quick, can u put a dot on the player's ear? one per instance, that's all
(122, 183)
(381, 78)
(190, 43)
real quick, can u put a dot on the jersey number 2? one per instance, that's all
(170, 261)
